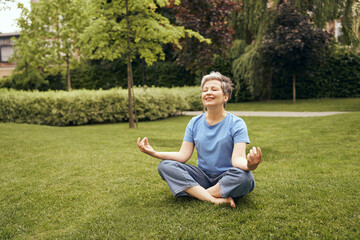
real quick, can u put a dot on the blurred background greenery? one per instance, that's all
(261, 45)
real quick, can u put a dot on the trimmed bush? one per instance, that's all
(60, 108)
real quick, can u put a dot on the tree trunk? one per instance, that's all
(68, 72)
(269, 85)
(143, 71)
(294, 88)
(129, 73)
(129, 69)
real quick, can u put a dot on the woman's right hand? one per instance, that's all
(254, 158)
(145, 147)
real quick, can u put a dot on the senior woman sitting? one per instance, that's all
(223, 169)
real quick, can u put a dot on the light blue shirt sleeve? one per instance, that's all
(239, 131)
(189, 137)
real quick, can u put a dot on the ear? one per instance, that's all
(226, 98)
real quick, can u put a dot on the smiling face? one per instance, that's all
(212, 94)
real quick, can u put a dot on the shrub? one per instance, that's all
(339, 77)
(60, 108)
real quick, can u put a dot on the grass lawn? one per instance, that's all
(91, 182)
(302, 105)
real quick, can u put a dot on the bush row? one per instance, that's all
(60, 108)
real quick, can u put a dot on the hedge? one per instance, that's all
(338, 77)
(78, 107)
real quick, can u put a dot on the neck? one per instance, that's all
(216, 113)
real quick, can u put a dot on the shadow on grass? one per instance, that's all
(190, 202)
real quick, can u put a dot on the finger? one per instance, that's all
(146, 141)
(259, 151)
(249, 157)
(139, 143)
(254, 150)
(141, 148)
(251, 152)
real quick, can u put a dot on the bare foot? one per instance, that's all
(228, 200)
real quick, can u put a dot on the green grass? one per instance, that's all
(91, 182)
(302, 105)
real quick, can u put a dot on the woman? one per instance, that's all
(220, 138)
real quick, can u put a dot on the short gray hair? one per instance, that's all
(226, 84)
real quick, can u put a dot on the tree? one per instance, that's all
(209, 18)
(250, 21)
(127, 29)
(322, 12)
(249, 26)
(256, 16)
(351, 23)
(29, 52)
(49, 33)
(293, 43)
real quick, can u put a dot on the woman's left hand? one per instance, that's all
(254, 158)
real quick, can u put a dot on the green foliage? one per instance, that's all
(323, 12)
(26, 76)
(248, 71)
(170, 74)
(29, 54)
(250, 23)
(85, 106)
(351, 23)
(48, 40)
(115, 33)
(127, 29)
(292, 42)
(99, 74)
(209, 18)
(247, 68)
(337, 77)
(104, 74)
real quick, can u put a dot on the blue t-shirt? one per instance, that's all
(215, 144)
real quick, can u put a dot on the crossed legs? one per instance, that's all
(185, 179)
(206, 195)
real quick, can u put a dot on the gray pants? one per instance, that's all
(179, 176)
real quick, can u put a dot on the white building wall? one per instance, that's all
(6, 52)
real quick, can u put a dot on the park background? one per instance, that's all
(79, 63)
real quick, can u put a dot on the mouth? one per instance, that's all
(209, 98)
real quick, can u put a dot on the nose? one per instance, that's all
(208, 92)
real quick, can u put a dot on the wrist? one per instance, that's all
(241, 163)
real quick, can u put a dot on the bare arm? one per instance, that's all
(249, 162)
(186, 150)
